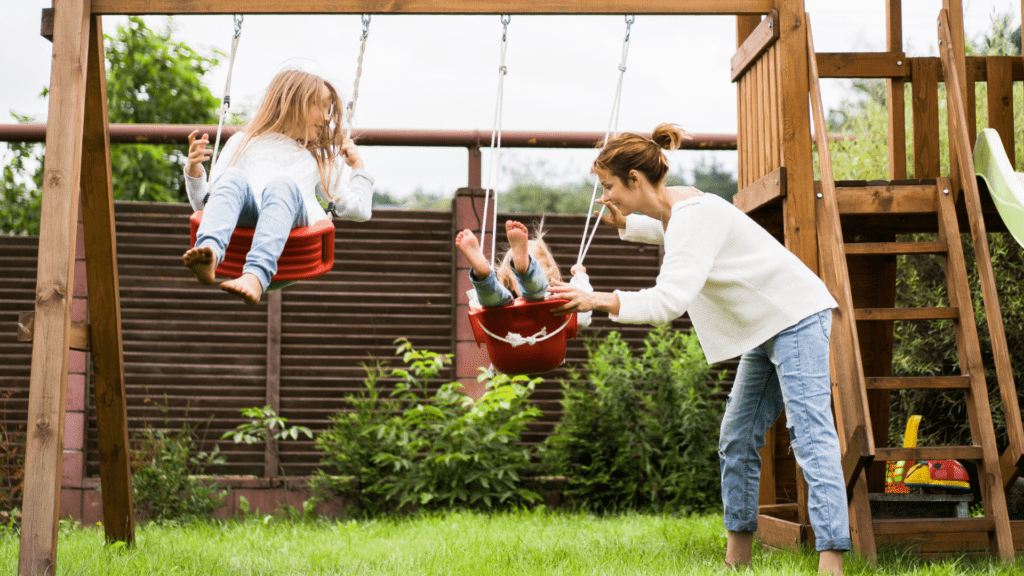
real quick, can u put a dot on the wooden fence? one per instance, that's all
(195, 355)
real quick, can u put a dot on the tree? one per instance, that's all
(151, 79)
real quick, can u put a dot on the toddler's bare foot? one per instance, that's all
(247, 287)
(518, 238)
(470, 248)
(202, 263)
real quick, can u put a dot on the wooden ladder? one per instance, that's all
(850, 386)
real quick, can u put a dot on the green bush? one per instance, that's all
(638, 432)
(165, 466)
(429, 447)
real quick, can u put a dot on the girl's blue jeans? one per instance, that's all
(790, 371)
(533, 286)
(233, 203)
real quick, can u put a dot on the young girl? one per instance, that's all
(525, 269)
(269, 175)
(747, 296)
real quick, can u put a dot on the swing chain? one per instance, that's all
(366, 26)
(238, 24)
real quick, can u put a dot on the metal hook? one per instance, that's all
(505, 19)
(366, 24)
(630, 18)
(238, 24)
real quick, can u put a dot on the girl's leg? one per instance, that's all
(752, 407)
(281, 209)
(231, 203)
(533, 284)
(801, 355)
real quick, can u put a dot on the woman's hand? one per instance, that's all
(581, 300)
(351, 153)
(197, 154)
(614, 218)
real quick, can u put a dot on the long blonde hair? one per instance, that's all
(286, 107)
(537, 248)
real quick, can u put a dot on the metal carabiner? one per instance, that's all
(366, 24)
(630, 18)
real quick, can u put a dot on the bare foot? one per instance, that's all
(247, 287)
(202, 263)
(518, 238)
(830, 562)
(470, 247)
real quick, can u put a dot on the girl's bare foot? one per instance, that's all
(247, 287)
(519, 239)
(202, 263)
(470, 248)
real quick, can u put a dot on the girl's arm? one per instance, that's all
(195, 174)
(581, 280)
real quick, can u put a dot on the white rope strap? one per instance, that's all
(495, 159)
(613, 128)
(226, 102)
(516, 340)
(359, 74)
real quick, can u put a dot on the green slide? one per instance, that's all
(1005, 185)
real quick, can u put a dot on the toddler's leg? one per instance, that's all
(533, 284)
(470, 248)
(281, 209)
(489, 291)
(230, 197)
(518, 239)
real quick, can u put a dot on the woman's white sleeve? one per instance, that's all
(197, 189)
(644, 229)
(582, 281)
(354, 201)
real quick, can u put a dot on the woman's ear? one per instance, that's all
(634, 178)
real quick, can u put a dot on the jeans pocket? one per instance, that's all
(825, 320)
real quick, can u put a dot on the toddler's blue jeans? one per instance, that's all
(533, 285)
(233, 203)
(788, 371)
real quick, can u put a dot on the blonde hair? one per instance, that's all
(286, 107)
(630, 151)
(537, 248)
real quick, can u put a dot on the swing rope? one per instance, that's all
(226, 102)
(495, 159)
(613, 128)
(515, 340)
(350, 110)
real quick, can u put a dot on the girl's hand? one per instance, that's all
(351, 153)
(614, 218)
(197, 154)
(577, 268)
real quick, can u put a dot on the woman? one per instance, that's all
(746, 295)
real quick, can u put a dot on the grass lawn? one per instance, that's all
(525, 543)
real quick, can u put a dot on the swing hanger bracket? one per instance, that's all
(366, 25)
(505, 19)
(238, 24)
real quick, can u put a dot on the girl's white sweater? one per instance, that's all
(740, 286)
(274, 156)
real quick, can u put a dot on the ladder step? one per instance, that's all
(933, 525)
(881, 248)
(918, 383)
(929, 453)
(946, 313)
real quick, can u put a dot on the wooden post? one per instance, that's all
(467, 213)
(955, 13)
(894, 92)
(54, 283)
(104, 300)
(271, 460)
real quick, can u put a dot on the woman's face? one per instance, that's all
(616, 192)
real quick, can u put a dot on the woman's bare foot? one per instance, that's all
(470, 248)
(247, 287)
(519, 240)
(830, 562)
(738, 550)
(202, 263)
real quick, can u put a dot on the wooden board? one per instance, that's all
(863, 65)
(759, 40)
(1000, 102)
(763, 192)
(926, 118)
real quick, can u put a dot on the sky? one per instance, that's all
(440, 72)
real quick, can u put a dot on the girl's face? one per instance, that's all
(616, 192)
(319, 112)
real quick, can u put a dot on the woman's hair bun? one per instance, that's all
(669, 136)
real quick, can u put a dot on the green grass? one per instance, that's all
(526, 543)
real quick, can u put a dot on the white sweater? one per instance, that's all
(275, 155)
(740, 286)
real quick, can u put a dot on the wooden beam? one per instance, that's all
(937, 525)
(79, 331)
(863, 65)
(104, 301)
(872, 314)
(1000, 102)
(929, 453)
(918, 383)
(894, 93)
(271, 461)
(764, 191)
(46, 25)
(885, 199)
(54, 285)
(925, 107)
(856, 458)
(763, 36)
(716, 7)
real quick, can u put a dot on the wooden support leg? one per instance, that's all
(104, 301)
(54, 283)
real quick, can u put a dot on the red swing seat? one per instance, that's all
(524, 338)
(308, 253)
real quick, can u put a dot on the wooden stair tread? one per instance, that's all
(929, 453)
(943, 313)
(881, 248)
(933, 525)
(917, 383)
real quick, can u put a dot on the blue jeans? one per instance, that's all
(533, 286)
(233, 203)
(788, 371)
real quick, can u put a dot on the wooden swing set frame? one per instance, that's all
(775, 150)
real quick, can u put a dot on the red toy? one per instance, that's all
(524, 338)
